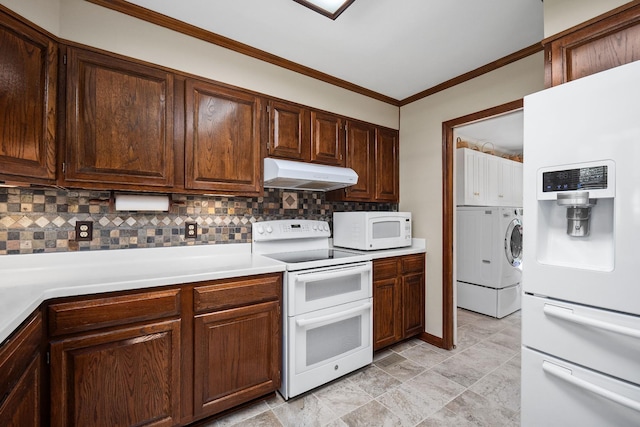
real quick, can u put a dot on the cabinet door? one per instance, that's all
(413, 304)
(361, 158)
(327, 139)
(28, 84)
(596, 47)
(413, 294)
(387, 318)
(222, 147)
(289, 131)
(473, 177)
(499, 181)
(387, 166)
(387, 303)
(516, 186)
(21, 376)
(119, 123)
(236, 356)
(124, 377)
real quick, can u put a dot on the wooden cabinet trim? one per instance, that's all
(102, 312)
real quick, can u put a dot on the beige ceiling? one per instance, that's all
(397, 48)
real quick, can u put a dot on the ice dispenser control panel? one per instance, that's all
(595, 177)
(590, 178)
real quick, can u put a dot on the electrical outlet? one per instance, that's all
(84, 231)
(190, 230)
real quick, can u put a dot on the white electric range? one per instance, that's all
(327, 303)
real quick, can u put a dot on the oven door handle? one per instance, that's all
(316, 277)
(566, 375)
(328, 317)
(568, 315)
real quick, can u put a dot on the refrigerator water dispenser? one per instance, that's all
(576, 215)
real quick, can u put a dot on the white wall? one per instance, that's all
(89, 24)
(44, 13)
(421, 156)
(560, 15)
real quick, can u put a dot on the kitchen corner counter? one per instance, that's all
(28, 280)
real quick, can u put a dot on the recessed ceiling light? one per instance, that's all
(329, 8)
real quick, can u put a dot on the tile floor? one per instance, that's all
(414, 384)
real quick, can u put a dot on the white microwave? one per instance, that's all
(369, 231)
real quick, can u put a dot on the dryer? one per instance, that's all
(488, 259)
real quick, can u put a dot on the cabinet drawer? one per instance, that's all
(222, 294)
(412, 263)
(385, 268)
(87, 315)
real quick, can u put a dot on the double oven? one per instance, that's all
(327, 303)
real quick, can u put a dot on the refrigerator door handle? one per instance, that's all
(566, 375)
(568, 315)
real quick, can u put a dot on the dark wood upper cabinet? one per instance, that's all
(28, 88)
(119, 123)
(327, 138)
(360, 138)
(387, 165)
(604, 42)
(288, 131)
(222, 139)
(373, 153)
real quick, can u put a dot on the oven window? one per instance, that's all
(320, 289)
(385, 229)
(334, 339)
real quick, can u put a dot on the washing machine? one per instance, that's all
(489, 259)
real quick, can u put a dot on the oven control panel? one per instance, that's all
(290, 229)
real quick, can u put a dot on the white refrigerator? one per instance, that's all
(581, 266)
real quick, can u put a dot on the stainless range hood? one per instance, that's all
(288, 174)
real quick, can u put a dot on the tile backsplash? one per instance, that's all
(43, 220)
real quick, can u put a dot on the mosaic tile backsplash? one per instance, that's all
(43, 220)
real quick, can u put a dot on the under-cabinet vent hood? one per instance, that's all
(306, 176)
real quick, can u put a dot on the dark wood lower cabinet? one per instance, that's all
(398, 299)
(21, 376)
(160, 357)
(124, 377)
(237, 356)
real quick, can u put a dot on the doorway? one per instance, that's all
(448, 209)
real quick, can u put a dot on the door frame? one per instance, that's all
(448, 207)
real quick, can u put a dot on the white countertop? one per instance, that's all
(28, 280)
(418, 246)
